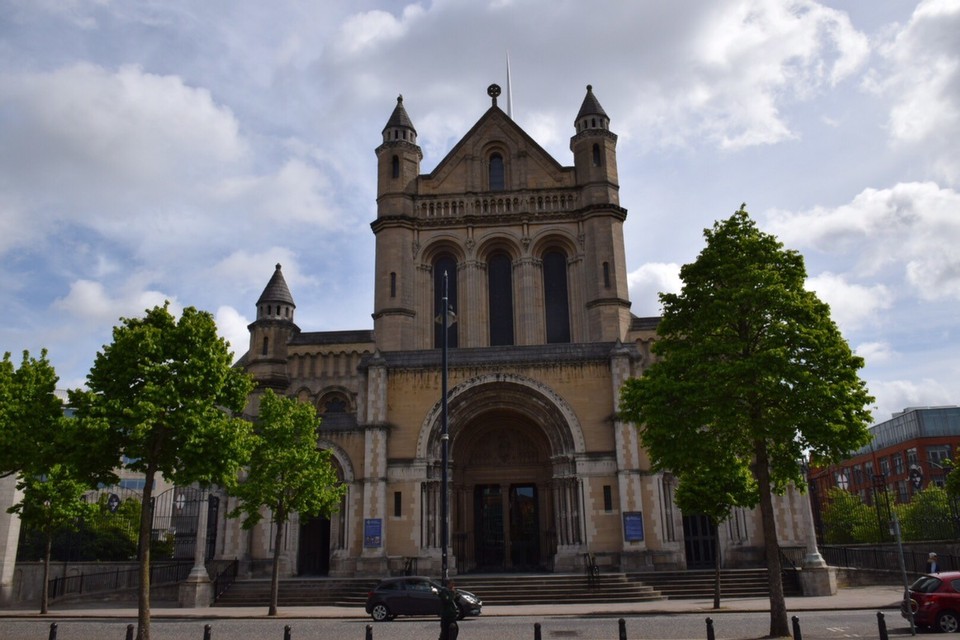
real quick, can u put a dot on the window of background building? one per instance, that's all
(938, 453)
(897, 462)
(912, 456)
(397, 504)
(902, 495)
(885, 466)
(857, 475)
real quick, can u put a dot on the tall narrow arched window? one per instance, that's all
(393, 284)
(266, 346)
(555, 298)
(497, 173)
(606, 275)
(395, 167)
(596, 155)
(500, 299)
(444, 264)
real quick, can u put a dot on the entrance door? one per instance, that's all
(700, 542)
(314, 556)
(524, 527)
(488, 519)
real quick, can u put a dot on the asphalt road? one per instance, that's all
(814, 625)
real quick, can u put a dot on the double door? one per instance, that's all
(507, 531)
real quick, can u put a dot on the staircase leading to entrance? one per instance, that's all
(522, 588)
(734, 583)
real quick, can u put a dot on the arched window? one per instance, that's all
(497, 173)
(555, 298)
(395, 167)
(500, 299)
(606, 275)
(596, 155)
(393, 284)
(444, 264)
(266, 345)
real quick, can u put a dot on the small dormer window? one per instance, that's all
(497, 173)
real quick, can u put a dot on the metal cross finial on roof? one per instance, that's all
(493, 91)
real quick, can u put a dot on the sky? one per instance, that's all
(177, 150)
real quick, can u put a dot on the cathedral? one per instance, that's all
(502, 334)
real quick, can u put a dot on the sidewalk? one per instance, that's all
(880, 598)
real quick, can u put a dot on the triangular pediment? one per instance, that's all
(529, 166)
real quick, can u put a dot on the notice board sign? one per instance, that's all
(633, 526)
(372, 532)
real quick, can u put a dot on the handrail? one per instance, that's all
(225, 577)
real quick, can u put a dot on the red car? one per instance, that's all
(935, 601)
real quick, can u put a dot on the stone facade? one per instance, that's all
(541, 338)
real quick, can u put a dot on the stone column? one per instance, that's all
(197, 590)
(9, 538)
(816, 578)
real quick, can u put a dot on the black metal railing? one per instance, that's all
(102, 581)
(885, 558)
(226, 575)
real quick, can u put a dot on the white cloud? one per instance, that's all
(875, 352)
(851, 305)
(912, 227)
(893, 396)
(647, 282)
(372, 28)
(232, 327)
(921, 76)
(249, 272)
(93, 303)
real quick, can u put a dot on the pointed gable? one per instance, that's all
(527, 165)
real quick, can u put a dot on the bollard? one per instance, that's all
(536, 631)
(286, 632)
(206, 632)
(53, 631)
(129, 632)
(710, 634)
(623, 628)
(369, 635)
(796, 629)
(881, 623)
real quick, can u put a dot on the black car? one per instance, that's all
(415, 596)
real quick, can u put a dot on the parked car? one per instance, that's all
(415, 596)
(935, 601)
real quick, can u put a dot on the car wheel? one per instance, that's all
(948, 622)
(380, 612)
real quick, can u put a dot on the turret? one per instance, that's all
(398, 159)
(271, 332)
(595, 153)
(398, 172)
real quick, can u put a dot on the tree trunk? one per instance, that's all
(778, 606)
(275, 578)
(45, 591)
(143, 553)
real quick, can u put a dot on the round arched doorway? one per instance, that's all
(502, 477)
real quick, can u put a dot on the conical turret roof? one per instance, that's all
(277, 290)
(591, 106)
(399, 118)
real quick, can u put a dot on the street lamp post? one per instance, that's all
(444, 443)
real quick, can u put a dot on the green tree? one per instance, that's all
(287, 473)
(847, 520)
(167, 392)
(927, 516)
(54, 459)
(51, 503)
(746, 354)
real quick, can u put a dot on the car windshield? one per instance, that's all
(926, 584)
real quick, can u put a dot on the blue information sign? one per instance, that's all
(372, 532)
(633, 526)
